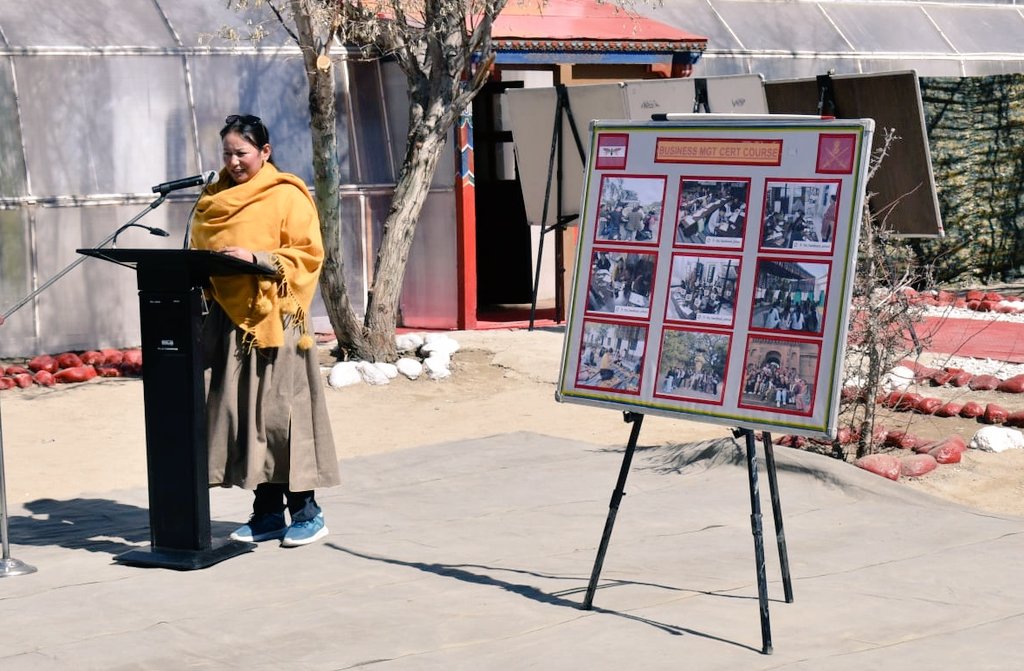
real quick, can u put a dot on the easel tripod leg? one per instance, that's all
(780, 532)
(613, 506)
(755, 522)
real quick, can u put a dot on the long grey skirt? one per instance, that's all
(266, 416)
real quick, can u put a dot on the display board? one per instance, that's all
(904, 185)
(714, 268)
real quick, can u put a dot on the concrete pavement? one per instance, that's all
(475, 555)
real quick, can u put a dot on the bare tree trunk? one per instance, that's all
(396, 241)
(326, 175)
(873, 377)
(437, 61)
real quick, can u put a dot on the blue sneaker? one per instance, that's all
(304, 533)
(261, 528)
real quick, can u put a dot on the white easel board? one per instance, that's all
(531, 114)
(715, 267)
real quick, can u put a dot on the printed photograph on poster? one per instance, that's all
(702, 288)
(611, 356)
(630, 209)
(779, 375)
(620, 283)
(800, 215)
(712, 212)
(612, 151)
(692, 365)
(790, 296)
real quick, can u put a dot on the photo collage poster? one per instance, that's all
(714, 269)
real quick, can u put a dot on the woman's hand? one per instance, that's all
(239, 253)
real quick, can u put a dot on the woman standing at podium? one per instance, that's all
(267, 424)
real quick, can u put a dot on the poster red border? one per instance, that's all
(650, 294)
(736, 292)
(642, 363)
(824, 308)
(784, 411)
(655, 240)
(819, 250)
(679, 198)
(692, 399)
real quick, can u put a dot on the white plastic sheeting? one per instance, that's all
(101, 99)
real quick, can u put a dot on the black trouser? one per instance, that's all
(273, 497)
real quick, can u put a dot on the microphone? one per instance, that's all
(204, 179)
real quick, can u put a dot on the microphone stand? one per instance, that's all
(192, 213)
(8, 565)
(74, 264)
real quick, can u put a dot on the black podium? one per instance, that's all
(171, 308)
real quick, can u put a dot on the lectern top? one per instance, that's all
(202, 260)
(176, 269)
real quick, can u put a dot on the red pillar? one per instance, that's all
(465, 218)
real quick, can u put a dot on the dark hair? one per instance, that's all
(250, 127)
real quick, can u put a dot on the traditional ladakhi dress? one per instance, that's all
(266, 415)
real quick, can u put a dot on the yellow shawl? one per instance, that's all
(273, 212)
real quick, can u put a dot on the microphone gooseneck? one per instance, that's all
(203, 179)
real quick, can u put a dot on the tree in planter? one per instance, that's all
(882, 320)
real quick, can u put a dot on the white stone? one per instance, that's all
(965, 313)
(440, 358)
(899, 377)
(408, 342)
(389, 369)
(439, 342)
(436, 368)
(856, 382)
(344, 374)
(411, 368)
(371, 374)
(997, 439)
(1001, 369)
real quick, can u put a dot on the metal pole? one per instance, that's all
(74, 264)
(780, 532)
(9, 566)
(755, 523)
(613, 506)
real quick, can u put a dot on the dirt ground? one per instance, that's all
(66, 441)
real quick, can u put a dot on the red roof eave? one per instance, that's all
(585, 20)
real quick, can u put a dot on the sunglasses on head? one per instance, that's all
(247, 119)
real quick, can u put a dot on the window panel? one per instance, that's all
(888, 28)
(98, 124)
(96, 23)
(270, 87)
(782, 26)
(980, 29)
